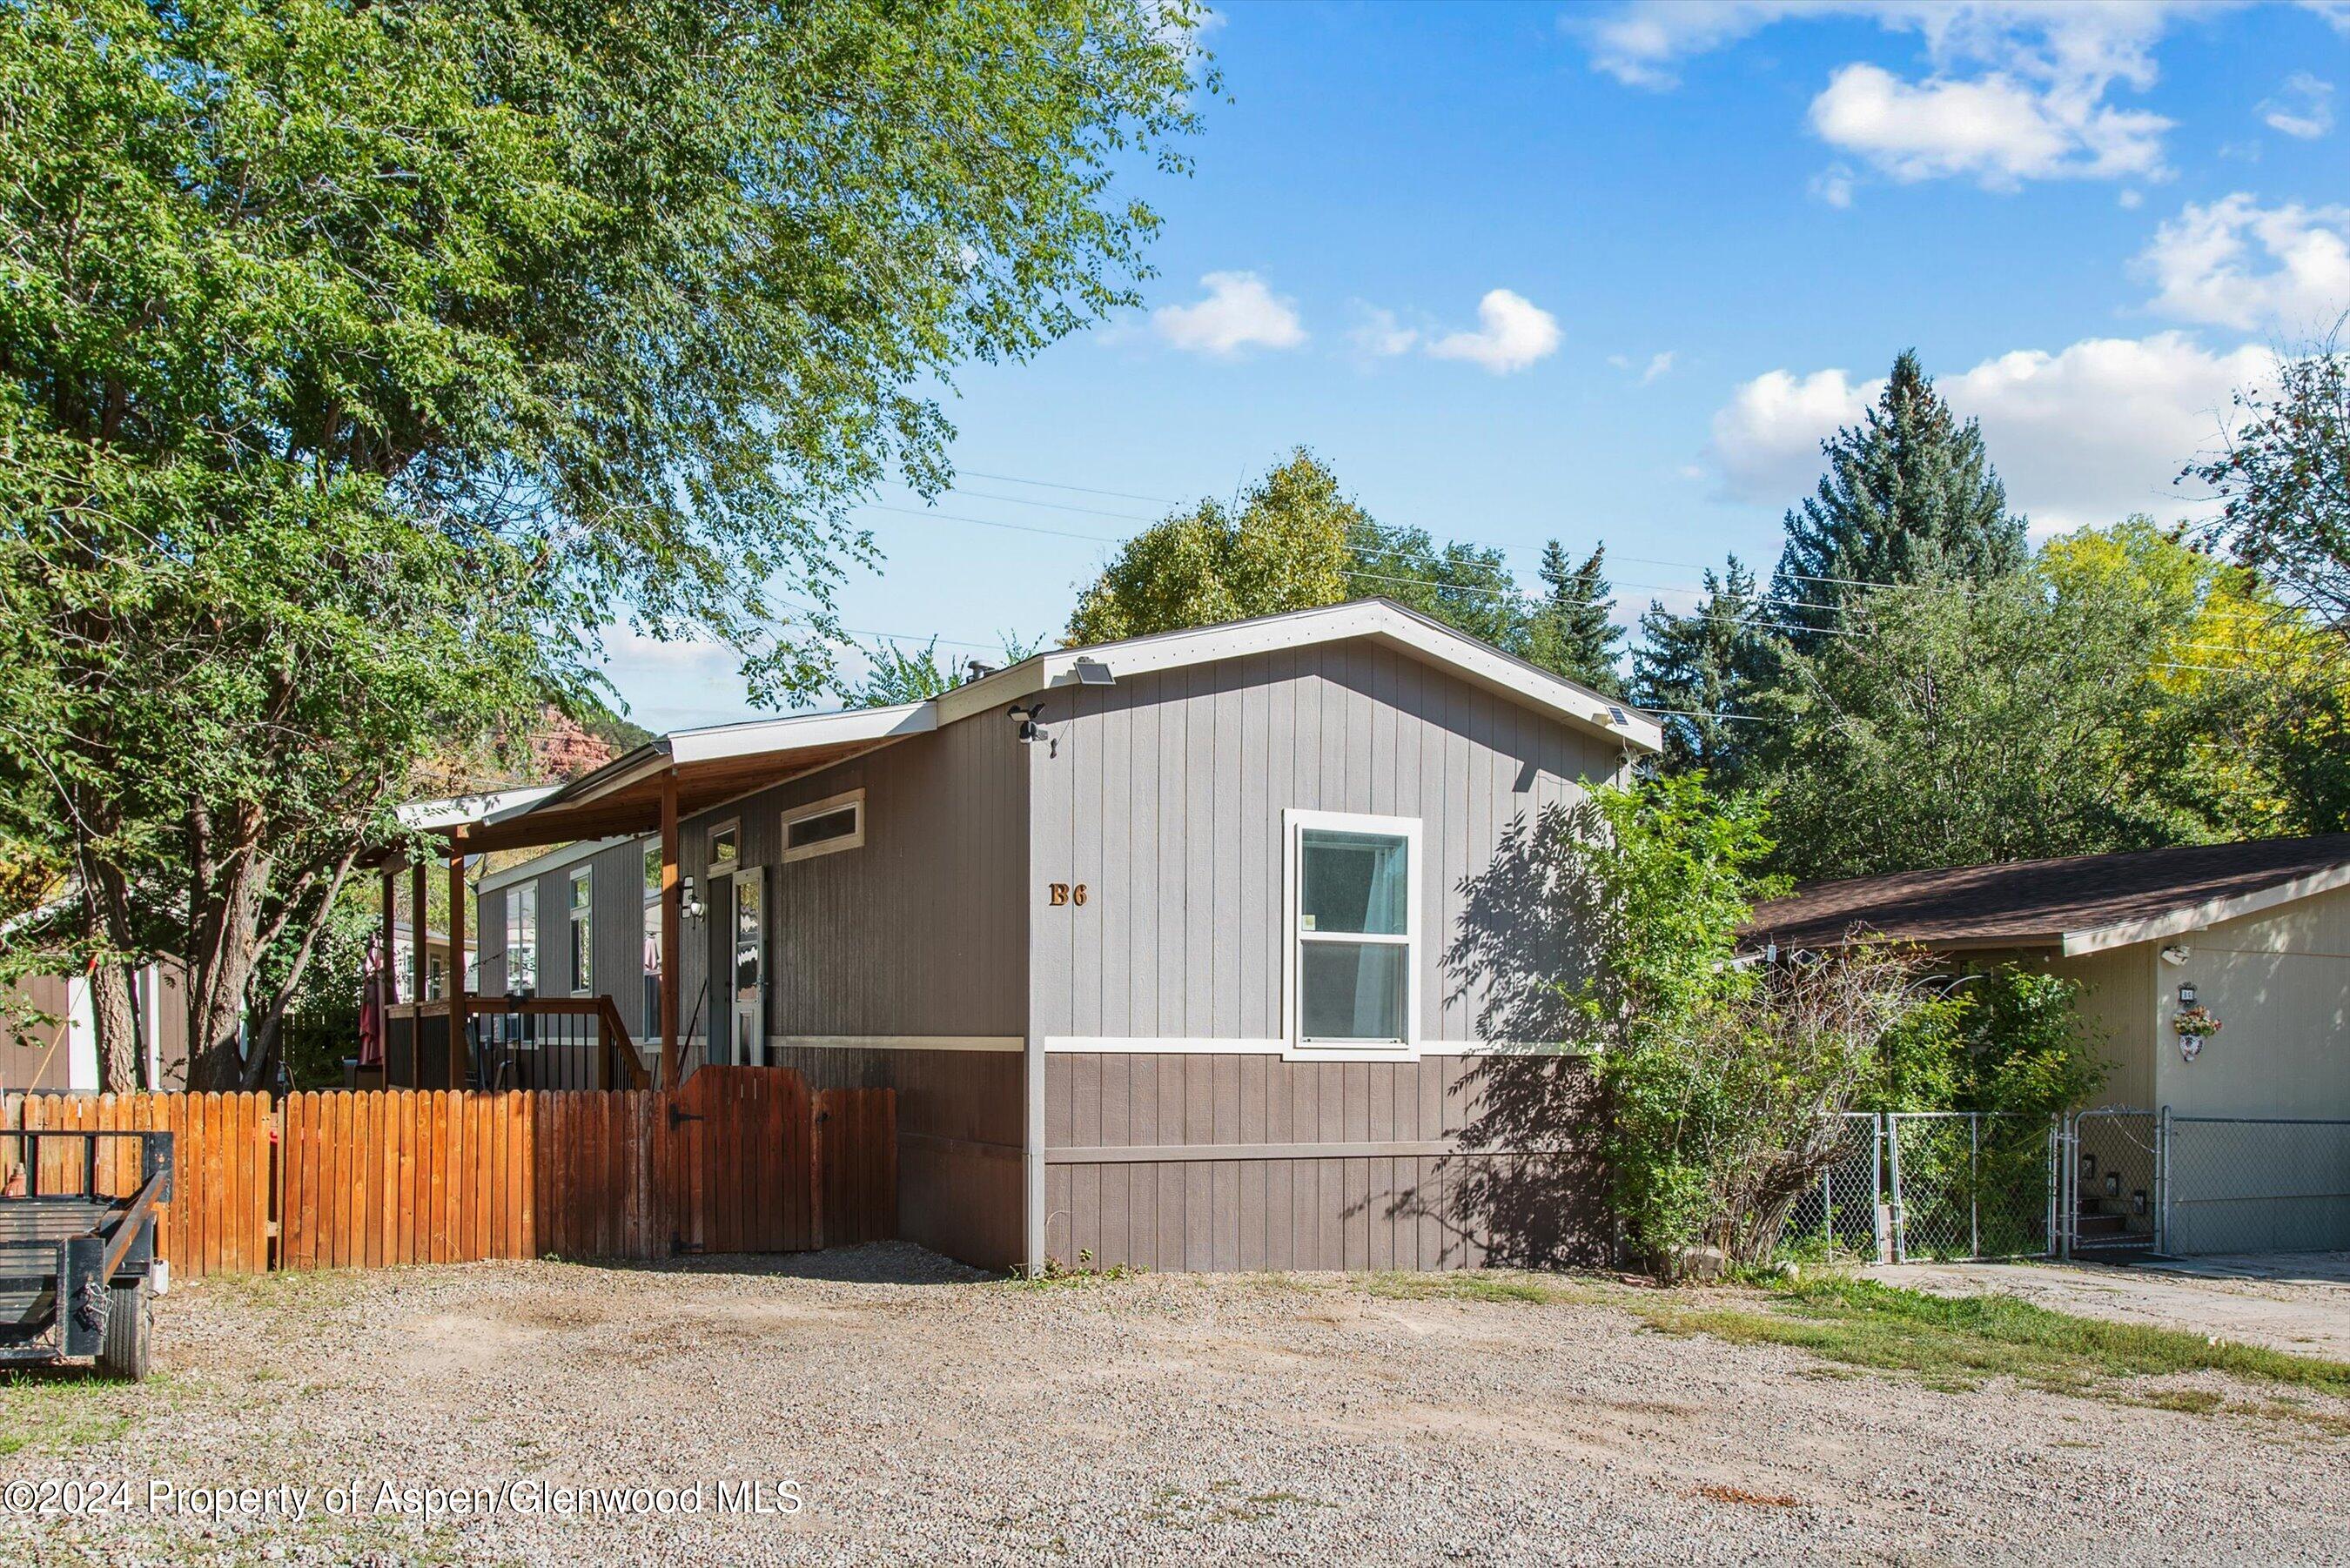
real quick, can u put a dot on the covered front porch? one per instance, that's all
(442, 1027)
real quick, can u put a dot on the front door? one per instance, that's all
(747, 990)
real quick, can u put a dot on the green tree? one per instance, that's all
(1703, 671)
(1722, 1079)
(895, 675)
(1948, 725)
(1910, 496)
(1285, 549)
(1573, 629)
(1466, 586)
(356, 361)
(2283, 473)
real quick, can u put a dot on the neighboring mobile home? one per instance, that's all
(1223, 949)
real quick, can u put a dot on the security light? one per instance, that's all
(1026, 719)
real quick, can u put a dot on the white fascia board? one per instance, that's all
(802, 732)
(553, 860)
(1389, 623)
(460, 811)
(2211, 912)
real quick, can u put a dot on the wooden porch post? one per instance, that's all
(456, 957)
(387, 978)
(673, 907)
(419, 903)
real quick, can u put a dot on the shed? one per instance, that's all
(1222, 949)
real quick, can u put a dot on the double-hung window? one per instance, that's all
(1354, 918)
(583, 939)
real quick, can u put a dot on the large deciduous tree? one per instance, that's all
(2283, 473)
(357, 360)
(1909, 496)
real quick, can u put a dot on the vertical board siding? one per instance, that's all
(1165, 792)
(915, 932)
(1460, 1207)
(1165, 796)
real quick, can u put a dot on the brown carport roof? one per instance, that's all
(2079, 904)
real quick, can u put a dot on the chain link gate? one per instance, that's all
(1967, 1184)
(2110, 1184)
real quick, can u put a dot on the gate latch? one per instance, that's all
(677, 1118)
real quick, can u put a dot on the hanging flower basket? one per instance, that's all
(2197, 1023)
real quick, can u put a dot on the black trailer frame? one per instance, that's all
(75, 1266)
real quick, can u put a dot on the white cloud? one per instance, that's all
(2131, 200)
(1995, 129)
(1512, 332)
(1378, 333)
(2084, 435)
(1239, 311)
(2303, 107)
(2017, 88)
(2335, 12)
(2204, 268)
(1832, 185)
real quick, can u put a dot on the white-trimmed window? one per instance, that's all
(583, 936)
(825, 827)
(1353, 899)
(725, 848)
(522, 937)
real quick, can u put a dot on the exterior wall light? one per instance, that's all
(689, 903)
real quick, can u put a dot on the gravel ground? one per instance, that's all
(921, 1414)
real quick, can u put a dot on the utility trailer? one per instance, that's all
(77, 1266)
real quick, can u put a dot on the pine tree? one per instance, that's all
(1910, 496)
(1701, 671)
(1573, 632)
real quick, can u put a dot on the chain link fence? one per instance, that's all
(1914, 1185)
(2234, 1184)
(1967, 1184)
(1836, 1216)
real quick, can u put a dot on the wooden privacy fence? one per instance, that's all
(731, 1162)
(218, 1220)
(738, 1159)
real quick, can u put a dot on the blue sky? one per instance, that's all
(1610, 272)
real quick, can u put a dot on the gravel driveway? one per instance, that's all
(918, 1414)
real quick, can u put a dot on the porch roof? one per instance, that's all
(713, 765)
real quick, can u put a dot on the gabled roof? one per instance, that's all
(2081, 904)
(721, 763)
(1379, 620)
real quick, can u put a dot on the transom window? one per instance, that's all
(1354, 906)
(825, 827)
(725, 848)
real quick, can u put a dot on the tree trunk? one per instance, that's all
(110, 1007)
(224, 946)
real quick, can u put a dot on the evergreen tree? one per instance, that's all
(1910, 496)
(1701, 669)
(1573, 631)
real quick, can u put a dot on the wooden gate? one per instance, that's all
(744, 1149)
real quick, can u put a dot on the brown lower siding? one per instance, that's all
(1217, 1162)
(959, 1140)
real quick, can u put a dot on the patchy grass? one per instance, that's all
(59, 1411)
(1957, 1342)
(1478, 1285)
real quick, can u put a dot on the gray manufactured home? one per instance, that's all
(1224, 949)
